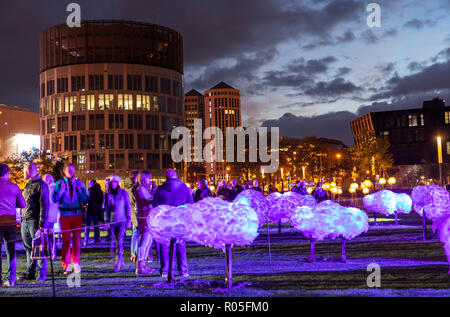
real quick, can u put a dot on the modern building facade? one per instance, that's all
(412, 133)
(19, 130)
(222, 110)
(194, 109)
(111, 92)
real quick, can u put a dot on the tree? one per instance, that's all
(372, 154)
(308, 154)
(17, 162)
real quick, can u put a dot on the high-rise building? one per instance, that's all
(222, 110)
(111, 92)
(19, 130)
(194, 109)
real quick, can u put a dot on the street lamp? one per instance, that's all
(391, 180)
(439, 147)
(339, 163)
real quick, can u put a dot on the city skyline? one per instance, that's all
(307, 67)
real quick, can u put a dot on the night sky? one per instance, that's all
(307, 66)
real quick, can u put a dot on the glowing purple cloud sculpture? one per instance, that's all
(282, 207)
(257, 201)
(442, 224)
(432, 199)
(329, 220)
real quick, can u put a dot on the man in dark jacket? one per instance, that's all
(256, 187)
(34, 217)
(320, 194)
(235, 189)
(202, 191)
(300, 188)
(173, 192)
(10, 199)
(94, 211)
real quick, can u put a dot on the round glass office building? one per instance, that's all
(111, 92)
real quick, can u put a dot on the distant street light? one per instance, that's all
(439, 146)
(391, 180)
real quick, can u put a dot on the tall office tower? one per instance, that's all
(111, 92)
(222, 110)
(194, 109)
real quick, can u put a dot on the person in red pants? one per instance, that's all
(70, 193)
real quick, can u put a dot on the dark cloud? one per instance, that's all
(334, 125)
(431, 78)
(297, 73)
(387, 68)
(337, 87)
(244, 68)
(347, 37)
(343, 71)
(390, 32)
(369, 37)
(418, 24)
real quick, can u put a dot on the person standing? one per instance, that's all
(53, 209)
(272, 189)
(173, 192)
(70, 194)
(319, 193)
(256, 186)
(202, 191)
(129, 184)
(105, 199)
(235, 189)
(118, 211)
(300, 188)
(143, 194)
(223, 191)
(10, 198)
(94, 211)
(34, 217)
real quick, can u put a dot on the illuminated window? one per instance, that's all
(448, 148)
(105, 101)
(90, 102)
(128, 102)
(138, 102)
(422, 122)
(447, 117)
(155, 103)
(120, 101)
(146, 102)
(70, 103)
(83, 102)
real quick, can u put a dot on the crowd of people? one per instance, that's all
(44, 203)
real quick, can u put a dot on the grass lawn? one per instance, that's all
(409, 267)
